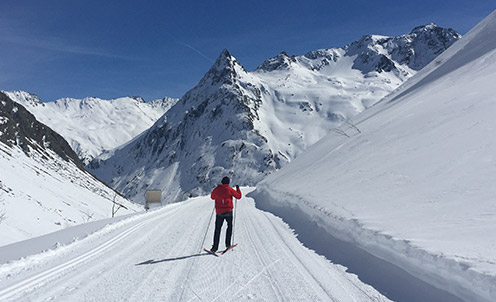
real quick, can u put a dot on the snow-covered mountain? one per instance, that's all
(417, 186)
(43, 185)
(249, 124)
(92, 125)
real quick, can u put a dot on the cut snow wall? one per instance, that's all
(443, 273)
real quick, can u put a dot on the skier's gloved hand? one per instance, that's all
(237, 187)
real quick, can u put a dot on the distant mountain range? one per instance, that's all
(43, 184)
(237, 123)
(249, 124)
(92, 125)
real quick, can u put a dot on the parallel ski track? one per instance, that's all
(206, 227)
(55, 272)
(301, 263)
(297, 257)
(150, 261)
(275, 287)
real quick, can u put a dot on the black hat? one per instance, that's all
(225, 180)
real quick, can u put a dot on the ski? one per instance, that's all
(229, 248)
(210, 252)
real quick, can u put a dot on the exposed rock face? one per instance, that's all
(249, 124)
(413, 50)
(19, 127)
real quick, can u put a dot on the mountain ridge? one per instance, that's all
(249, 124)
(92, 125)
(19, 127)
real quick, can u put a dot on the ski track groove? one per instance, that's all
(160, 234)
(305, 267)
(193, 261)
(184, 244)
(275, 288)
(307, 270)
(255, 277)
(142, 292)
(236, 282)
(222, 258)
(40, 278)
(297, 257)
(139, 293)
(162, 263)
(33, 282)
(224, 291)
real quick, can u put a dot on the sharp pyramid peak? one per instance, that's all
(224, 70)
(225, 59)
(225, 54)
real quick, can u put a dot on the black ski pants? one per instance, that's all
(219, 220)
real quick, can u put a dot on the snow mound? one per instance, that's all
(416, 185)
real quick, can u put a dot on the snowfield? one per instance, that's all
(40, 194)
(157, 256)
(416, 186)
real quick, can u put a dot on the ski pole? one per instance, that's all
(234, 219)
(206, 231)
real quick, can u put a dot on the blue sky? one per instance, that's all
(109, 49)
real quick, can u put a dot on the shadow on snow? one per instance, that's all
(152, 261)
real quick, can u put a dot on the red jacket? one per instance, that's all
(223, 195)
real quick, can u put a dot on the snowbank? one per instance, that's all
(416, 185)
(324, 227)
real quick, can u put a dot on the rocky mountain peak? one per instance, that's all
(165, 104)
(138, 99)
(280, 62)
(422, 45)
(20, 128)
(424, 28)
(224, 71)
(414, 50)
(435, 35)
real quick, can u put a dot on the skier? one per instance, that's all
(223, 195)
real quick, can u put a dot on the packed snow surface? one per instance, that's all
(414, 181)
(157, 256)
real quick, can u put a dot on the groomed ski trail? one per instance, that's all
(156, 256)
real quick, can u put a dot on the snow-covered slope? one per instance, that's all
(43, 185)
(156, 256)
(249, 124)
(92, 125)
(417, 186)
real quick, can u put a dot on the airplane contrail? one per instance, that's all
(197, 51)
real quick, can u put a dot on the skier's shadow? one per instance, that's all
(152, 261)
